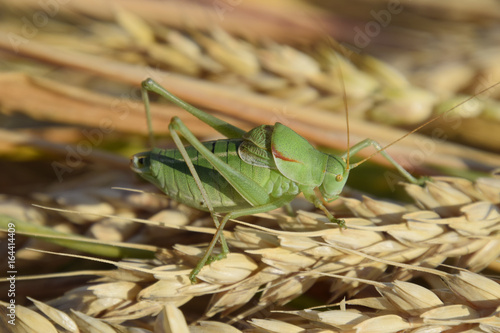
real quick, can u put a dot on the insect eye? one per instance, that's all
(339, 178)
(137, 162)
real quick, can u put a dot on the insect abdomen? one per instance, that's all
(175, 179)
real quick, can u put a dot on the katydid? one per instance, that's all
(247, 173)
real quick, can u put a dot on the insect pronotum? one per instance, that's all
(247, 173)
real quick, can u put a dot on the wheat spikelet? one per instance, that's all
(288, 263)
(469, 302)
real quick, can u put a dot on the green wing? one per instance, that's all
(256, 147)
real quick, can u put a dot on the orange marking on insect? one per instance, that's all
(277, 154)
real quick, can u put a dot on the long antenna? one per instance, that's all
(424, 124)
(344, 96)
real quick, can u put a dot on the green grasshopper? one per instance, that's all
(247, 173)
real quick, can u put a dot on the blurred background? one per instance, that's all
(71, 72)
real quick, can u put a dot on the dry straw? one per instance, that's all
(384, 245)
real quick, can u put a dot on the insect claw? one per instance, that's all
(340, 222)
(210, 259)
(219, 256)
(193, 274)
(424, 179)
